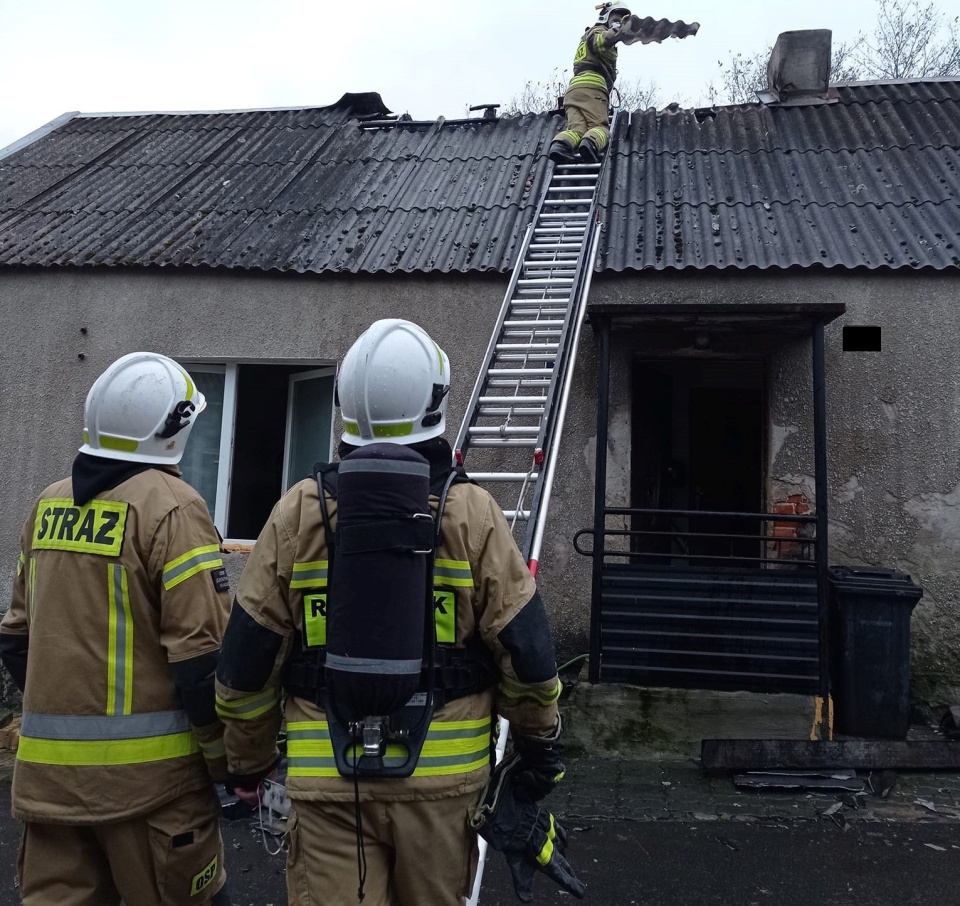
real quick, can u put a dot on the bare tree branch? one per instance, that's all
(911, 40)
(547, 94)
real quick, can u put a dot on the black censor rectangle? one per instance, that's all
(861, 338)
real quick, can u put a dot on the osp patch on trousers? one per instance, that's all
(172, 856)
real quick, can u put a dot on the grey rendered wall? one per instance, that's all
(206, 315)
(893, 428)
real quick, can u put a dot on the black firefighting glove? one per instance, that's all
(530, 838)
(541, 765)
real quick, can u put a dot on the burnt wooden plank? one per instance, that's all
(788, 781)
(722, 756)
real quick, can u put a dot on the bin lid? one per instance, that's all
(875, 579)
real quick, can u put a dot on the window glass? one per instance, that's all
(201, 459)
(308, 430)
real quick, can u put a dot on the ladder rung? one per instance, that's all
(577, 166)
(551, 246)
(505, 442)
(580, 188)
(518, 372)
(504, 476)
(541, 306)
(513, 514)
(554, 202)
(571, 216)
(543, 359)
(526, 382)
(496, 411)
(503, 431)
(516, 325)
(507, 400)
(526, 347)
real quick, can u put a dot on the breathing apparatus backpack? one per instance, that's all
(381, 675)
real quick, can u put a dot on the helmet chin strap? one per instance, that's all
(178, 419)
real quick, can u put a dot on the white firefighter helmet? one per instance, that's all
(393, 385)
(609, 9)
(141, 409)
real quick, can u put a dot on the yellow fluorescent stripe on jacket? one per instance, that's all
(453, 573)
(451, 747)
(514, 690)
(213, 749)
(120, 643)
(20, 562)
(589, 79)
(248, 707)
(99, 752)
(309, 575)
(191, 563)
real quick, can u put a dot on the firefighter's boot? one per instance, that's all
(561, 153)
(589, 152)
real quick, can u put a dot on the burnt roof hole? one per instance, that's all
(703, 114)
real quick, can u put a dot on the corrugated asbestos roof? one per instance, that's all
(872, 180)
(301, 190)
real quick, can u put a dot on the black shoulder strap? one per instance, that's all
(456, 475)
(327, 475)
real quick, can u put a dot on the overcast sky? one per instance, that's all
(428, 58)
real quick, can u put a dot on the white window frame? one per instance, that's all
(325, 371)
(230, 370)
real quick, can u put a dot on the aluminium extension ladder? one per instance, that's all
(514, 421)
(510, 436)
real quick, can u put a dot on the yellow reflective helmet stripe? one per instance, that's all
(191, 563)
(124, 444)
(399, 429)
(119, 643)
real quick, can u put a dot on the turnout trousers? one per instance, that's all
(418, 853)
(586, 108)
(170, 857)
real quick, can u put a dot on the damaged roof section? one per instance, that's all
(306, 190)
(870, 181)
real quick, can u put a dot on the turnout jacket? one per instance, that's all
(595, 61)
(119, 604)
(482, 589)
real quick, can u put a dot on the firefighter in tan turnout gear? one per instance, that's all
(586, 102)
(425, 602)
(119, 604)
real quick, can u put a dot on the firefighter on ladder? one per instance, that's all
(409, 837)
(587, 99)
(119, 604)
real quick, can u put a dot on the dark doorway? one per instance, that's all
(698, 445)
(725, 469)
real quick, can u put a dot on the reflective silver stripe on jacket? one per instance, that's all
(98, 727)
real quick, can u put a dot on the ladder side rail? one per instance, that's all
(469, 415)
(540, 505)
(564, 341)
(547, 436)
